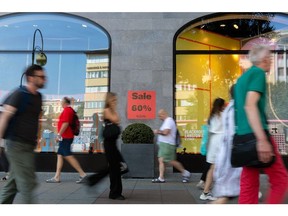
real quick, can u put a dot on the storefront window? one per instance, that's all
(208, 52)
(78, 66)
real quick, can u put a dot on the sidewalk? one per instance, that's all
(136, 191)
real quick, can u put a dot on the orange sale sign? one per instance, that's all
(141, 105)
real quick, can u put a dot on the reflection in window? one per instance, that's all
(208, 55)
(78, 67)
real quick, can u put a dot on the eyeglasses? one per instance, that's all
(40, 76)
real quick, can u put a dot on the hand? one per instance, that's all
(58, 138)
(156, 131)
(265, 151)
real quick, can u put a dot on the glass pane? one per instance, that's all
(74, 68)
(220, 38)
(201, 79)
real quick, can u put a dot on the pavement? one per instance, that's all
(136, 191)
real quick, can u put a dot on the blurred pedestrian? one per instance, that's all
(19, 124)
(215, 141)
(250, 100)
(167, 149)
(3, 160)
(113, 155)
(226, 178)
(65, 138)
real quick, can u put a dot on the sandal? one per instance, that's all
(157, 180)
(52, 180)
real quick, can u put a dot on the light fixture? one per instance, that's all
(235, 26)
(41, 58)
(222, 25)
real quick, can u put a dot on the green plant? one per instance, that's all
(137, 133)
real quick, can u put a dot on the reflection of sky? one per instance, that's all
(66, 71)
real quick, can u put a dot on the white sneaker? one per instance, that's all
(259, 195)
(186, 176)
(207, 196)
(200, 185)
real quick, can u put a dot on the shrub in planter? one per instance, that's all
(139, 157)
(138, 133)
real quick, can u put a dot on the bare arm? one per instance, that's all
(5, 116)
(264, 148)
(163, 132)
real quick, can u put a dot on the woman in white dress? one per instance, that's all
(226, 178)
(215, 141)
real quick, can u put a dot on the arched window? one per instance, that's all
(210, 54)
(78, 66)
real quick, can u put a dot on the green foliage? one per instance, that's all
(137, 133)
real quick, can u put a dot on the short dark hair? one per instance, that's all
(67, 100)
(30, 71)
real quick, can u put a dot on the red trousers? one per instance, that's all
(278, 179)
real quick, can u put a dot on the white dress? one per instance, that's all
(226, 178)
(215, 138)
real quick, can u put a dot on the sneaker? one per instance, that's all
(123, 168)
(5, 178)
(186, 176)
(200, 185)
(157, 180)
(82, 179)
(207, 196)
(259, 195)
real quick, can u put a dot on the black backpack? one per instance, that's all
(178, 140)
(75, 124)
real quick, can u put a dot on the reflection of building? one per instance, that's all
(96, 84)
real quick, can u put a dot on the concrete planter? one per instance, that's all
(140, 159)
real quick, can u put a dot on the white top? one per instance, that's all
(215, 125)
(168, 123)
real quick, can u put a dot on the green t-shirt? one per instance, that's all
(253, 79)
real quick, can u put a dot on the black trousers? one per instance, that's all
(114, 158)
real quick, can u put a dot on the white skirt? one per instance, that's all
(215, 141)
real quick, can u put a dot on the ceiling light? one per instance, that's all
(235, 26)
(202, 26)
(222, 25)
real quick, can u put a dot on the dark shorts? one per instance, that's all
(65, 147)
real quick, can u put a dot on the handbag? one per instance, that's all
(244, 152)
(111, 131)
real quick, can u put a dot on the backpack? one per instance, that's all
(178, 140)
(75, 124)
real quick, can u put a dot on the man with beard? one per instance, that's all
(19, 126)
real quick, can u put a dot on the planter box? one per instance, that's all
(140, 159)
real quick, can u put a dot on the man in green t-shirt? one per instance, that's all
(250, 94)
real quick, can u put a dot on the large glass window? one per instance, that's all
(210, 54)
(78, 65)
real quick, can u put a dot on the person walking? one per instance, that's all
(113, 155)
(250, 96)
(65, 138)
(226, 178)
(3, 160)
(19, 126)
(215, 141)
(167, 148)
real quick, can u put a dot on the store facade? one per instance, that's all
(185, 59)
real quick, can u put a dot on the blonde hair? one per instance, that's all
(109, 95)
